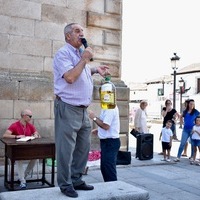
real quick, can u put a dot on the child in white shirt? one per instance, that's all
(166, 135)
(195, 140)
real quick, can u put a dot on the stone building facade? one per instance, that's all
(30, 34)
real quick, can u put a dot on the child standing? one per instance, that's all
(195, 140)
(166, 135)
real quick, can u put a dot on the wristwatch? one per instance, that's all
(94, 119)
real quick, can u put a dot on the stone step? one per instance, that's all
(117, 190)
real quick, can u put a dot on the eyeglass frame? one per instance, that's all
(30, 116)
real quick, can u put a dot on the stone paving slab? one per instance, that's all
(117, 190)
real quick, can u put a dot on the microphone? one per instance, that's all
(85, 44)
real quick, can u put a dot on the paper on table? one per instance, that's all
(25, 139)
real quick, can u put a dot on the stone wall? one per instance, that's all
(31, 32)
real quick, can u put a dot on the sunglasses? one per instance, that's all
(29, 116)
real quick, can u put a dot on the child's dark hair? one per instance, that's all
(169, 121)
(197, 117)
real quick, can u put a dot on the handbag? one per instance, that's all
(123, 158)
(135, 133)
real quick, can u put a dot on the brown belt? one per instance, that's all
(81, 106)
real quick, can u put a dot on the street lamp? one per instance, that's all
(174, 61)
(181, 86)
(163, 87)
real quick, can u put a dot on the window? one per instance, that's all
(160, 92)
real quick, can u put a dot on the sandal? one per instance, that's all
(176, 160)
(192, 162)
(184, 155)
(198, 163)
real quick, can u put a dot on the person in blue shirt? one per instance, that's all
(188, 119)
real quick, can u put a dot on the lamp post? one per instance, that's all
(174, 61)
(163, 87)
(181, 86)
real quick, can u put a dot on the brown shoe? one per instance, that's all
(175, 137)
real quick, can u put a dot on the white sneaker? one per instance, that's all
(163, 159)
(23, 186)
(168, 160)
(176, 160)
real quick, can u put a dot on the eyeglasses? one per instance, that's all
(29, 116)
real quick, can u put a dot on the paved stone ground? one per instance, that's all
(163, 180)
(118, 190)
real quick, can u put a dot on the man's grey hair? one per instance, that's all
(68, 28)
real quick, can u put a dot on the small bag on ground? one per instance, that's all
(124, 158)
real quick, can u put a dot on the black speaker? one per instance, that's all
(144, 149)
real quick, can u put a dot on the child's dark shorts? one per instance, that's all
(165, 145)
(195, 142)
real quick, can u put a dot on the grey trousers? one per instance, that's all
(72, 139)
(24, 173)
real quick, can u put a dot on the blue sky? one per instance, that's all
(152, 31)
